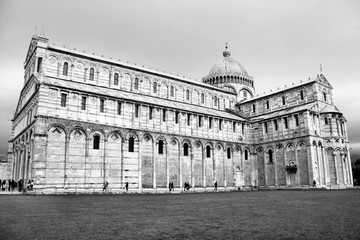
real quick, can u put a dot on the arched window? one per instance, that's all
(96, 142)
(187, 94)
(215, 101)
(136, 84)
(324, 96)
(116, 79)
(161, 147)
(208, 151)
(326, 121)
(186, 149)
(228, 153)
(155, 87)
(91, 76)
(65, 68)
(254, 108)
(171, 91)
(131, 144)
(283, 100)
(270, 152)
(202, 98)
(246, 154)
(267, 104)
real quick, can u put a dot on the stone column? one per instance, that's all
(58, 70)
(343, 167)
(67, 142)
(297, 164)
(97, 77)
(275, 167)
(336, 170)
(204, 166)
(287, 174)
(139, 167)
(224, 167)
(326, 167)
(87, 146)
(104, 160)
(266, 169)
(192, 167)
(154, 164)
(350, 167)
(167, 163)
(110, 79)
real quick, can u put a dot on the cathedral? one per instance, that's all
(82, 120)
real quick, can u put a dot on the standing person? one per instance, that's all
(314, 183)
(9, 187)
(4, 185)
(215, 186)
(127, 186)
(106, 184)
(169, 186)
(172, 185)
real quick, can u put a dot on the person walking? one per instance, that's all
(215, 186)
(314, 183)
(169, 186)
(127, 186)
(106, 184)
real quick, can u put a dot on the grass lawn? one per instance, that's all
(231, 215)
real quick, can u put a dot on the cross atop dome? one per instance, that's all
(226, 52)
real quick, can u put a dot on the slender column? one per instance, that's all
(224, 166)
(67, 141)
(104, 160)
(192, 167)
(97, 77)
(275, 167)
(350, 167)
(213, 164)
(154, 164)
(326, 167)
(30, 173)
(14, 164)
(266, 170)
(287, 174)
(87, 144)
(25, 164)
(298, 169)
(343, 167)
(110, 79)
(167, 164)
(336, 170)
(253, 159)
(203, 166)
(179, 159)
(139, 167)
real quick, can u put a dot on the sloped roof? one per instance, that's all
(141, 98)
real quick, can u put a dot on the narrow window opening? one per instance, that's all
(208, 151)
(83, 103)
(267, 104)
(155, 87)
(91, 76)
(210, 122)
(63, 99)
(188, 119)
(136, 84)
(324, 96)
(228, 153)
(150, 112)
(276, 125)
(161, 147)
(102, 104)
(186, 149)
(234, 126)
(65, 68)
(215, 101)
(96, 142)
(266, 127)
(270, 156)
(116, 79)
(39, 64)
(285, 122)
(301, 95)
(202, 98)
(119, 108)
(246, 154)
(297, 120)
(176, 117)
(171, 91)
(131, 144)
(254, 108)
(136, 110)
(200, 121)
(164, 115)
(187, 94)
(283, 100)
(326, 121)
(220, 124)
(243, 128)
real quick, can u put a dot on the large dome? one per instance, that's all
(227, 66)
(228, 71)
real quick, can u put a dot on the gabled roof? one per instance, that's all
(141, 98)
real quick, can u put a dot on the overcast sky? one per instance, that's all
(278, 42)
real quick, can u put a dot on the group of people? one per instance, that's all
(11, 185)
(187, 186)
